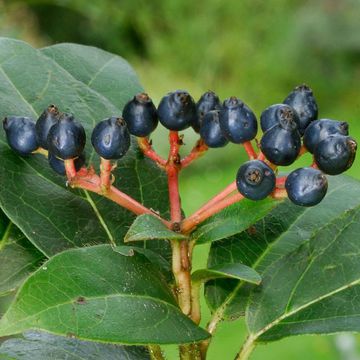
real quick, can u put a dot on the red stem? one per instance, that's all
(279, 194)
(70, 168)
(250, 150)
(197, 151)
(261, 156)
(280, 182)
(88, 180)
(105, 174)
(192, 221)
(220, 196)
(146, 147)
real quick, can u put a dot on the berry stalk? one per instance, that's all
(250, 150)
(197, 151)
(146, 147)
(88, 180)
(192, 221)
(105, 174)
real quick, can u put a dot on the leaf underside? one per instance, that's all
(44, 346)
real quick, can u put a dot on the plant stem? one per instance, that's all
(155, 352)
(146, 147)
(195, 301)
(192, 221)
(70, 169)
(246, 350)
(280, 182)
(197, 151)
(250, 150)
(220, 196)
(279, 194)
(105, 174)
(88, 180)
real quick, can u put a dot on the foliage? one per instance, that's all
(91, 282)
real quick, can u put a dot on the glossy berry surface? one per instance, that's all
(238, 123)
(319, 130)
(47, 119)
(255, 180)
(281, 145)
(306, 186)
(272, 115)
(66, 139)
(207, 102)
(335, 154)
(210, 130)
(21, 134)
(177, 110)
(140, 115)
(58, 165)
(304, 103)
(111, 138)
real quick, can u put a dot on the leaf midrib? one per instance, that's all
(302, 307)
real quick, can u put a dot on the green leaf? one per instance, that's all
(232, 220)
(233, 271)
(92, 84)
(18, 258)
(44, 346)
(314, 289)
(282, 231)
(97, 294)
(148, 227)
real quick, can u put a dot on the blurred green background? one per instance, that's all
(256, 50)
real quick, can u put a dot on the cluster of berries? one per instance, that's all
(283, 125)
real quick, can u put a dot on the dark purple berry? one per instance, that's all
(210, 130)
(335, 154)
(306, 186)
(207, 102)
(66, 139)
(281, 144)
(47, 119)
(255, 180)
(275, 113)
(111, 138)
(21, 134)
(238, 123)
(140, 115)
(177, 110)
(319, 130)
(304, 103)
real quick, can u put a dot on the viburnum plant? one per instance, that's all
(96, 248)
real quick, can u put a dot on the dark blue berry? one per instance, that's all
(255, 180)
(58, 165)
(140, 115)
(111, 138)
(306, 186)
(47, 119)
(21, 134)
(210, 130)
(273, 114)
(335, 154)
(238, 123)
(319, 130)
(177, 110)
(304, 103)
(208, 101)
(281, 144)
(66, 139)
